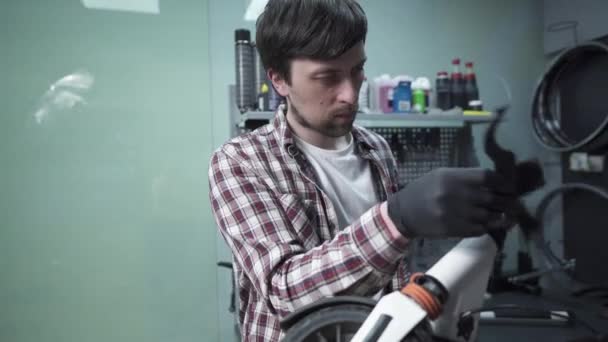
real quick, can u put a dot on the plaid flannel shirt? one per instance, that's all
(282, 228)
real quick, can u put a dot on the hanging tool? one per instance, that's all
(523, 177)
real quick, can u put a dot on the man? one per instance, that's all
(309, 204)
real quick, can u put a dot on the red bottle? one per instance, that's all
(470, 85)
(443, 91)
(457, 86)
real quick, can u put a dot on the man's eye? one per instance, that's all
(329, 79)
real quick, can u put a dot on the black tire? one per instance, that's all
(336, 323)
(340, 323)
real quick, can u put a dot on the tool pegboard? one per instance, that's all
(418, 150)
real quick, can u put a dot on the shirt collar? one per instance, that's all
(281, 127)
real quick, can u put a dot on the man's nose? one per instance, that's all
(349, 92)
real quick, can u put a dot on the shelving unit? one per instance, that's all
(452, 118)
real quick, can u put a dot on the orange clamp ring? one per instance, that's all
(422, 296)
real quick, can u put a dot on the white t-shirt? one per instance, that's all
(344, 176)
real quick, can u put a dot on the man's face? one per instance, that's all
(322, 95)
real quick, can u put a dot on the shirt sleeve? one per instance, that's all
(403, 270)
(266, 233)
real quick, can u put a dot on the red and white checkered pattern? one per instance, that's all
(282, 229)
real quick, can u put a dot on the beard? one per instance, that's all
(330, 126)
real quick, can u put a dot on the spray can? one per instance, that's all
(244, 63)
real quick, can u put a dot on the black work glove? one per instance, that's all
(453, 202)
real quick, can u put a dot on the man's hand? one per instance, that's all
(453, 202)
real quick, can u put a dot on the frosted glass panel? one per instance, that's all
(105, 137)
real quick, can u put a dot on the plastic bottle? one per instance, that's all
(470, 85)
(425, 84)
(380, 94)
(263, 97)
(476, 105)
(457, 86)
(420, 99)
(274, 99)
(442, 89)
(364, 97)
(402, 94)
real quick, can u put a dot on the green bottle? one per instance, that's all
(419, 100)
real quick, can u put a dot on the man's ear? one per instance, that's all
(279, 82)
